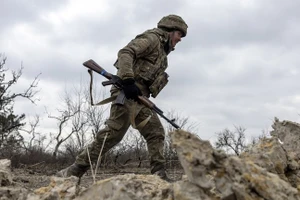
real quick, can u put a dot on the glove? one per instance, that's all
(130, 89)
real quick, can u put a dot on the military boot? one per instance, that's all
(163, 175)
(73, 170)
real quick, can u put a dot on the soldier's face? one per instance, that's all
(175, 37)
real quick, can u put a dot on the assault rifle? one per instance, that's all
(117, 82)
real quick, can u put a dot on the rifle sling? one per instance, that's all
(111, 99)
(141, 125)
(91, 86)
(105, 101)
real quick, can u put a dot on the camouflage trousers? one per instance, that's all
(120, 119)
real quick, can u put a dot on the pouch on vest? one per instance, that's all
(158, 84)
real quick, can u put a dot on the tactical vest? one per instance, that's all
(151, 69)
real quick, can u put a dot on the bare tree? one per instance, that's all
(38, 140)
(10, 123)
(135, 147)
(32, 132)
(95, 113)
(6, 97)
(34, 149)
(182, 121)
(232, 140)
(80, 121)
(140, 147)
(70, 114)
(94, 118)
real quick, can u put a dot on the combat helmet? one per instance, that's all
(171, 22)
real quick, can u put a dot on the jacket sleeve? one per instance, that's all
(139, 47)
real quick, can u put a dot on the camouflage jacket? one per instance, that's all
(145, 60)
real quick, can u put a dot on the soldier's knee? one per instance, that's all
(113, 131)
(113, 125)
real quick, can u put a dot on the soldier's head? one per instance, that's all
(176, 27)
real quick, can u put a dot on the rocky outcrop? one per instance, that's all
(8, 189)
(129, 187)
(228, 177)
(59, 188)
(288, 133)
(268, 170)
(279, 154)
(5, 173)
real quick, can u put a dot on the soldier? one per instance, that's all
(141, 66)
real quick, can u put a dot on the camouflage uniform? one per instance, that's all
(145, 60)
(150, 46)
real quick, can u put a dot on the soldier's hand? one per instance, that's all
(130, 89)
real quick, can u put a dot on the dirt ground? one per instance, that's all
(32, 179)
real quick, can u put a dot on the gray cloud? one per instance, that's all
(238, 64)
(22, 11)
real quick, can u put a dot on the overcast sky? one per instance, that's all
(238, 65)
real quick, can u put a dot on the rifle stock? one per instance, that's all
(115, 80)
(92, 65)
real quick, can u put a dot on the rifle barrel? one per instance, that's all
(170, 121)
